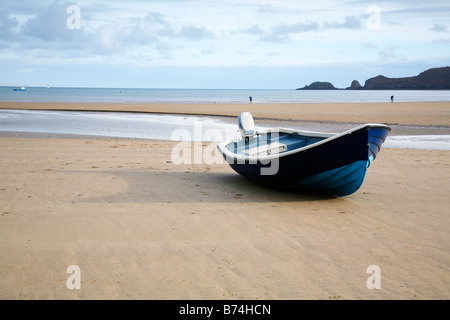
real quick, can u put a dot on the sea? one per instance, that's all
(154, 95)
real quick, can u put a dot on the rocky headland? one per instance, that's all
(431, 79)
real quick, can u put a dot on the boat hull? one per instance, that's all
(337, 166)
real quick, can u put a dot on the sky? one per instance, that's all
(235, 44)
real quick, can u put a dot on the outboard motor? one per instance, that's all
(246, 126)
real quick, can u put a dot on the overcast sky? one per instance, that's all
(219, 44)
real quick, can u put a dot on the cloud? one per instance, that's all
(195, 33)
(154, 35)
(253, 30)
(105, 30)
(295, 28)
(438, 8)
(50, 24)
(440, 27)
(41, 32)
(156, 18)
(155, 30)
(280, 32)
(350, 22)
(270, 9)
(390, 54)
(8, 25)
(146, 31)
(144, 34)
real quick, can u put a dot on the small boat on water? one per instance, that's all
(329, 163)
(20, 89)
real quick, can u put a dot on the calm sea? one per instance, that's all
(130, 95)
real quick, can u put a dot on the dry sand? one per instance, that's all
(140, 226)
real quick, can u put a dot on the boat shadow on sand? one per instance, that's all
(142, 186)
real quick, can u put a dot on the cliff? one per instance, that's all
(432, 79)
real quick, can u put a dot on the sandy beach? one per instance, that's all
(139, 226)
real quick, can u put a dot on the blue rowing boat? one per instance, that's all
(330, 163)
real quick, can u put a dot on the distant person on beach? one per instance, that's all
(250, 99)
(392, 98)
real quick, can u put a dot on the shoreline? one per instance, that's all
(327, 117)
(398, 113)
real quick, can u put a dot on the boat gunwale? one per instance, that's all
(229, 155)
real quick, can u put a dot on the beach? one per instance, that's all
(140, 226)
(420, 113)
